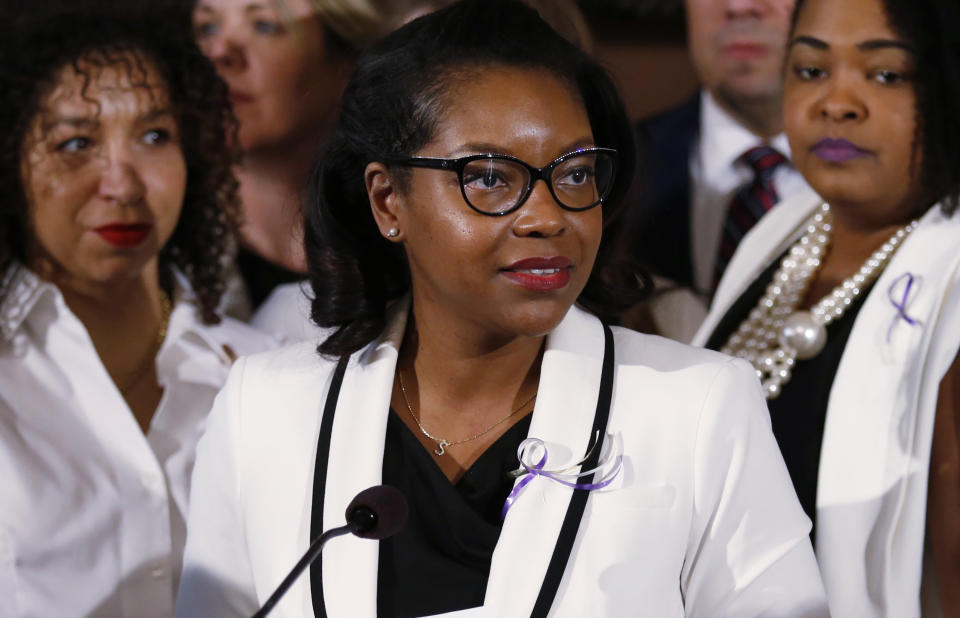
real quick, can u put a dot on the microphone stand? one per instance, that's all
(360, 519)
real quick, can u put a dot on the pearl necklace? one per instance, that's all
(775, 335)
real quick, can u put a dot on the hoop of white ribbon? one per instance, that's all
(532, 454)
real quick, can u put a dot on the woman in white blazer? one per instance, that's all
(117, 201)
(854, 308)
(449, 274)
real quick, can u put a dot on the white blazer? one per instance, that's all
(703, 520)
(872, 488)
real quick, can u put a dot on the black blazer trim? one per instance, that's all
(578, 502)
(571, 521)
(320, 481)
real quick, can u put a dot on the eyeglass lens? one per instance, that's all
(496, 185)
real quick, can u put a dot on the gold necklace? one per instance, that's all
(151, 358)
(443, 443)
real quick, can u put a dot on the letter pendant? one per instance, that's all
(440, 447)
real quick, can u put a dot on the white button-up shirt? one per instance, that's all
(92, 511)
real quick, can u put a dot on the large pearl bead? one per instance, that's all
(803, 334)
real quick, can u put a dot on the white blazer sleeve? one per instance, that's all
(749, 549)
(217, 578)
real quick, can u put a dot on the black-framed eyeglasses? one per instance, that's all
(498, 184)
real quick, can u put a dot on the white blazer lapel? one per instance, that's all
(762, 244)
(854, 465)
(563, 418)
(355, 463)
(876, 436)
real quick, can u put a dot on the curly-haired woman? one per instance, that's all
(116, 206)
(285, 64)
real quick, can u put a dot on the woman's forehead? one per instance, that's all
(95, 86)
(851, 22)
(506, 105)
(289, 8)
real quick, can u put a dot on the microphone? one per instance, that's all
(375, 513)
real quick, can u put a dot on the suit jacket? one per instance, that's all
(702, 520)
(656, 229)
(872, 489)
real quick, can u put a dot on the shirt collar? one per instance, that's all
(186, 328)
(723, 140)
(22, 291)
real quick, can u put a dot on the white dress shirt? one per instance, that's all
(93, 511)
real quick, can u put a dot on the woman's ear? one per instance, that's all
(385, 200)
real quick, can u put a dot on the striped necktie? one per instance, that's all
(750, 202)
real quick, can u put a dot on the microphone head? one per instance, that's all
(380, 511)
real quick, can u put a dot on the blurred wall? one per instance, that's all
(642, 43)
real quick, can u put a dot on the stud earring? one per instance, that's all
(393, 232)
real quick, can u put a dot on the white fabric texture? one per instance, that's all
(874, 463)
(93, 512)
(702, 522)
(285, 314)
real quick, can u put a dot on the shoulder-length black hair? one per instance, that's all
(90, 35)
(391, 108)
(932, 30)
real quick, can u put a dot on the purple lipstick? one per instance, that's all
(834, 150)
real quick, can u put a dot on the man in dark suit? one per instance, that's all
(696, 158)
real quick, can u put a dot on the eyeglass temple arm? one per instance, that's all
(428, 162)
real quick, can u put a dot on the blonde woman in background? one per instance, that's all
(285, 63)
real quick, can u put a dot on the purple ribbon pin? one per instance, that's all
(607, 469)
(901, 304)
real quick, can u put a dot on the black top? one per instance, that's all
(799, 414)
(440, 561)
(455, 507)
(261, 275)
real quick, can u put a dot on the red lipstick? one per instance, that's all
(124, 235)
(540, 274)
(238, 97)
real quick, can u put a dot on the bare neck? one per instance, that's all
(851, 245)
(460, 368)
(121, 316)
(272, 183)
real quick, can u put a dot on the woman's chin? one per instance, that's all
(537, 320)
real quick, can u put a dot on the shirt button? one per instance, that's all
(158, 572)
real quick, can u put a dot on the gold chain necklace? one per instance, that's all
(151, 358)
(443, 443)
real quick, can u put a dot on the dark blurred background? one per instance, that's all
(643, 44)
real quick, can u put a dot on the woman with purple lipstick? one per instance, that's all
(847, 303)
